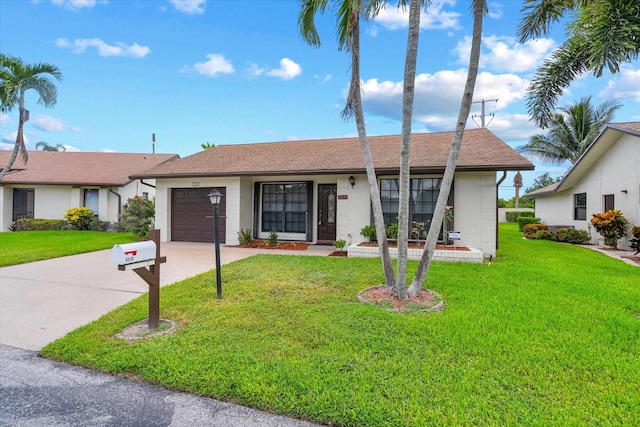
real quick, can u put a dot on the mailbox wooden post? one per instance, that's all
(138, 256)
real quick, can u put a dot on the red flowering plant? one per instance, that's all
(611, 225)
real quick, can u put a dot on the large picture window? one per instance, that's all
(23, 205)
(422, 199)
(284, 207)
(92, 199)
(580, 206)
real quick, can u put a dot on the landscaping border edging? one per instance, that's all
(472, 255)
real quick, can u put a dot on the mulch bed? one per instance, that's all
(379, 296)
(291, 246)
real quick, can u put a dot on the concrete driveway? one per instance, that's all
(43, 301)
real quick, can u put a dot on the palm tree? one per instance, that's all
(16, 78)
(479, 8)
(348, 29)
(50, 147)
(602, 34)
(571, 132)
(207, 145)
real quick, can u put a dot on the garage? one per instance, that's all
(192, 215)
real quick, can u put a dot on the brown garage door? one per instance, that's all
(192, 215)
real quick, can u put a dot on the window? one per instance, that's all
(580, 206)
(422, 199)
(92, 199)
(23, 203)
(609, 202)
(145, 195)
(284, 207)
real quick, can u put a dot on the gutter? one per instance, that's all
(119, 201)
(146, 183)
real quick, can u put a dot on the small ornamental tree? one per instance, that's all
(138, 216)
(611, 225)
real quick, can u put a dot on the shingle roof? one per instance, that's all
(481, 150)
(79, 168)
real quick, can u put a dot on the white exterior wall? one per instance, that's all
(474, 210)
(617, 170)
(53, 201)
(475, 205)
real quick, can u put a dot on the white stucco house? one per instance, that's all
(52, 182)
(317, 191)
(605, 177)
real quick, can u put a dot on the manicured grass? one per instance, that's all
(28, 246)
(548, 334)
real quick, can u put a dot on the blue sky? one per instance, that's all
(237, 71)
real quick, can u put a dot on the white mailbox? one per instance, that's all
(141, 253)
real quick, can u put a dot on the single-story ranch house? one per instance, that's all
(605, 177)
(52, 182)
(317, 190)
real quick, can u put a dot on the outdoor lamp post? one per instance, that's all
(215, 196)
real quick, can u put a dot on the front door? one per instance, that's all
(327, 198)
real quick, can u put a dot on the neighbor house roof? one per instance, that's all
(603, 142)
(481, 150)
(79, 168)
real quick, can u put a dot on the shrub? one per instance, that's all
(79, 218)
(37, 224)
(611, 225)
(369, 232)
(524, 220)
(419, 231)
(340, 244)
(392, 231)
(512, 216)
(245, 237)
(572, 235)
(97, 225)
(273, 237)
(531, 230)
(544, 235)
(138, 216)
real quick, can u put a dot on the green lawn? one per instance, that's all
(28, 246)
(548, 334)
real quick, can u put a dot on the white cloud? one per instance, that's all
(104, 49)
(495, 10)
(191, 7)
(10, 140)
(436, 17)
(216, 64)
(48, 123)
(254, 69)
(76, 4)
(437, 96)
(287, 71)
(503, 53)
(4, 119)
(625, 85)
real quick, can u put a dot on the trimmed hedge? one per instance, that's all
(563, 235)
(512, 216)
(524, 220)
(37, 224)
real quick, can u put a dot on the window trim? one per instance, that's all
(258, 211)
(579, 210)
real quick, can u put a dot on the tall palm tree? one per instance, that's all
(479, 8)
(45, 146)
(348, 32)
(571, 132)
(16, 78)
(601, 34)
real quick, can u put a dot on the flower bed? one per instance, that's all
(442, 253)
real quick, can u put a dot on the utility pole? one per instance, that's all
(483, 115)
(153, 143)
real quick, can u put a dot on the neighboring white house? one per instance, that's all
(317, 190)
(607, 176)
(52, 182)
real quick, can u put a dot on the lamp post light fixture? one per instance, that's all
(215, 196)
(352, 181)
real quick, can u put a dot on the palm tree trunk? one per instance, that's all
(447, 180)
(405, 149)
(19, 145)
(374, 191)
